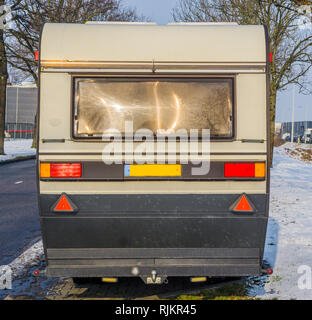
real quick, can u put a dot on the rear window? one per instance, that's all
(102, 105)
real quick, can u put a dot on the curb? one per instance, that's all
(17, 159)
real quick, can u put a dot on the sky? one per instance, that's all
(160, 11)
(156, 10)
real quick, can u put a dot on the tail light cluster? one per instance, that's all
(231, 170)
(60, 170)
(244, 170)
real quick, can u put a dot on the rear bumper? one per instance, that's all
(182, 262)
(176, 235)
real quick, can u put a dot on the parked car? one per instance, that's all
(308, 138)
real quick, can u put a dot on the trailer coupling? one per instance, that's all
(154, 278)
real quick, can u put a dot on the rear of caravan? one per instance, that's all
(153, 217)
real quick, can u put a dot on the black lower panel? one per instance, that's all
(195, 227)
(209, 232)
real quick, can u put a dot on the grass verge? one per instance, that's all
(233, 291)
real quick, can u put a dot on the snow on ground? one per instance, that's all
(24, 283)
(21, 270)
(297, 151)
(289, 236)
(29, 258)
(17, 148)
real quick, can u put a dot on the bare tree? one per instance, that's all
(291, 47)
(24, 37)
(20, 43)
(3, 81)
(16, 76)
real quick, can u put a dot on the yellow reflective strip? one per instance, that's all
(45, 170)
(198, 279)
(113, 280)
(259, 170)
(155, 170)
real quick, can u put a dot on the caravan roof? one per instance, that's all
(149, 42)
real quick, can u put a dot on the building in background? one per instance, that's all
(21, 108)
(299, 127)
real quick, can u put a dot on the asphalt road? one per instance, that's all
(19, 220)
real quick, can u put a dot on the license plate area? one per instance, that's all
(153, 170)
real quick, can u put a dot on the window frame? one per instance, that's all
(155, 77)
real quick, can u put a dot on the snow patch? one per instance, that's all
(297, 151)
(17, 148)
(289, 236)
(29, 258)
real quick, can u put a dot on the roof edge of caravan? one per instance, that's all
(145, 42)
(156, 24)
(120, 23)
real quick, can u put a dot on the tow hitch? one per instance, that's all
(154, 278)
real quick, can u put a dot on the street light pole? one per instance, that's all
(293, 115)
(306, 125)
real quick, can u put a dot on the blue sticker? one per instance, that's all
(127, 170)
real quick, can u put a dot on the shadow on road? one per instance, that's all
(130, 288)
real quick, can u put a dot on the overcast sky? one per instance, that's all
(160, 11)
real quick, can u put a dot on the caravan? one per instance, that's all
(153, 149)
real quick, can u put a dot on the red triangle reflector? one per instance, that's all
(64, 204)
(243, 204)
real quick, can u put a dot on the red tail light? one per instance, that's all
(239, 170)
(65, 170)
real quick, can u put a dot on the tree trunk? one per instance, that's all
(272, 123)
(3, 84)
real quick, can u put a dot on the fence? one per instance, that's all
(19, 130)
(21, 108)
